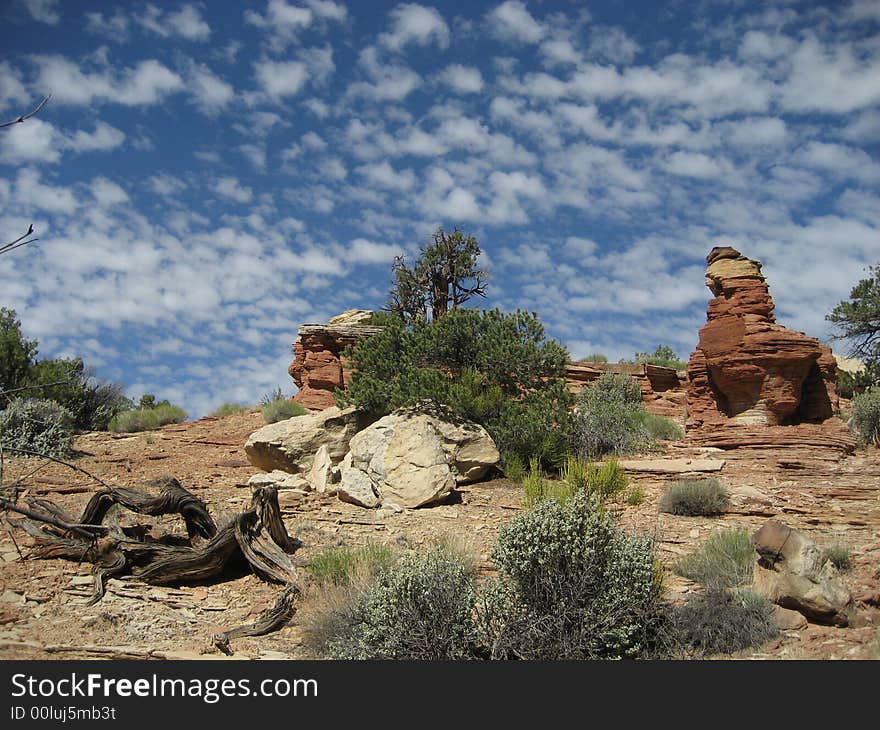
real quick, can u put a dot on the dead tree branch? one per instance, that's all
(24, 117)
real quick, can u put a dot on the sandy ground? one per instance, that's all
(835, 499)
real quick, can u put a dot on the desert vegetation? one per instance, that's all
(275, 406)
(695, 497)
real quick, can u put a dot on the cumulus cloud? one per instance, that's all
(43, 11)
(211, 93)
(512, 21)
(230, 187)
(146, 83)
(417, 24)
(463, 79)
(187, 22)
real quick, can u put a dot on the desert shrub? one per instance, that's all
(839, 555)
(276, 407)
(663, 356)
(725, 559)
(608, 418)
(495, 368)
(572, 586)
(721, 621)
(694, 497)
(660, 428)
(340, 565)
(595, 357)
(67, 381)
(513, 467)
(38, 425)
(419, 608)
(866, 416)
(17, 356)
(607, 481)
(635, 496)
(229, 409)
(537, 486)
(146, 419)
(851, 384)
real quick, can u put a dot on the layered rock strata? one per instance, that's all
(749, 374)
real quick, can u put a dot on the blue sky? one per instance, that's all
(209, 176)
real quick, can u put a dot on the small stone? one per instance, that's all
(10, 596)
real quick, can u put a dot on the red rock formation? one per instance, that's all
(747, 371)
(318, 367)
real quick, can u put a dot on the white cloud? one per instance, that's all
(166, 185)
(756, 132)
(463, 79)
(103, 138)
(388, 81)
(612, 44)
(381, 175)
(187, 22)
(33, 194)
(280, 79)
(33, 141)
(830, 79)
(212, 94)
(107, 193)
(12, 90)
(512, 21)
(362, 251)
(839, 160)
(149, 82)
(43, 11)
(231, 188)
(418, 24)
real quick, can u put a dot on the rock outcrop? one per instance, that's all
(749, 373)
(792, 573)
(291, 445)
(663, 391)
(318, 368)
(413, 459)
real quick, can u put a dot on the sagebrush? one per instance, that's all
(725, 559)
(38, 425)
(695, 497)
(572, 585)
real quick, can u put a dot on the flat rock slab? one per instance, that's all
(671, 466)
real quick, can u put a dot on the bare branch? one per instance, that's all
(22, 118)
(20, 241)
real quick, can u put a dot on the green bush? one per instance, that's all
(229, 409)
(594, 357)
(419, 608)
(725, 559)
(495, 368)
(147, 419)
(276, 407)
(664, 356)
(866, 416)
(513, 467)
(37, 425)
(722, 621)
(839, 555)
(340, 565)
(660, 428)
(636, 496)
(17, 357)
(851, 384)
(67, 381)
(608, 418)
(695, 497)
(572, 586)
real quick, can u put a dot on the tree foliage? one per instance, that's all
(857, 319)
(494, 368)
(91, 403)
(664, 356)
(17, 355)
(443, 277)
